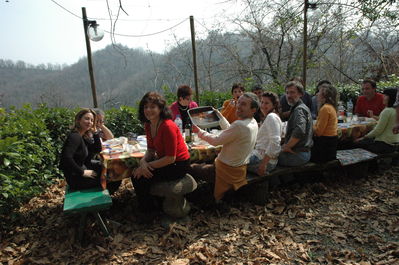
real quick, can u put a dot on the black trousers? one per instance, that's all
(78, 182)
(373, 146)
(142, 185)
(324, 149)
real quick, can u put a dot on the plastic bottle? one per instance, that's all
(341, 112)
(349, 106)
(179, 123)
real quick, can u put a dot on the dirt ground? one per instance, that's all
(343, 220)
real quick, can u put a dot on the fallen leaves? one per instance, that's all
(334, 222)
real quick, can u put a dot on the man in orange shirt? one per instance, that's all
(371, 103)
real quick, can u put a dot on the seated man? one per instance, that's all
(238, 140)
(298, 138)
(370, 104)
(286, 107)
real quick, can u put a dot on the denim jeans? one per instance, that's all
(291, 160)
(254, 162)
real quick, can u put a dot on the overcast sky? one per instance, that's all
(40, 31)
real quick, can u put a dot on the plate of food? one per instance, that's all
(204, 117)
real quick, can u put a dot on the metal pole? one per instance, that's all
(194, 58)
(305, 42)
(89, 60)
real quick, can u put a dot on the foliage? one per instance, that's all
(27, 156)
(123, 120)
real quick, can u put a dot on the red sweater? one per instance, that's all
(376, 104)
(168, 141)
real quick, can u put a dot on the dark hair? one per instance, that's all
(330, 94)
(254, 99)
(237, 85)
(157, 99)
(184, 91)
(80, 114)
(391, 93)
(274, 99)
(256, 87)
(321, 82)
(370, 81)
(297, 85)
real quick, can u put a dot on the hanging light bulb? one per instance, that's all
(95, 33)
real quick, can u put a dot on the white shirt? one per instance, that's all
(269, 138)
(238, 140)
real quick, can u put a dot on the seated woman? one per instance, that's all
(325, 138)
(79, 171)
(381, 139)
(104, 132)
(167, 157)
(183, 104)
(264, 157)
(230, 106)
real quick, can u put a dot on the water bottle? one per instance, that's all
(341, 112)
(349, 106)
(179, 123)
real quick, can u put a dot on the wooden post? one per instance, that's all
(89, 60)
(305, 42)
(194, 58)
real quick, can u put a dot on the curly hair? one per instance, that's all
(157, 99)
(274, 99)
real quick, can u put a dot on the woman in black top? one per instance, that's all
(79, 171)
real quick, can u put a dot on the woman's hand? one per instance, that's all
(144, 170)
(261, 170)
(89, 174)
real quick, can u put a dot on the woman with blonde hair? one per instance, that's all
(79, 171)
(325, 137)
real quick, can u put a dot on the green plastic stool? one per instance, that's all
(84, 202)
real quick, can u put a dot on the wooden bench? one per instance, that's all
(259, 185)
(85, 202)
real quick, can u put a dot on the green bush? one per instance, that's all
(123, 120)
(27, 156)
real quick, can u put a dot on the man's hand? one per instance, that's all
(287, 149)
(395, 129)
(195, 129)
(261, 170)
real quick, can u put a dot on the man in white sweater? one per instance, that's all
(238, 140)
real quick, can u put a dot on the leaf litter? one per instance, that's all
(338, 221)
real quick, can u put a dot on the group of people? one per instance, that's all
(251, 136)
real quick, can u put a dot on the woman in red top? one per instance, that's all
(167, 157)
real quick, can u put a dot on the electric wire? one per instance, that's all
(120, 34)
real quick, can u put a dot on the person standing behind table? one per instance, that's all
(79, 171)
(298, 139)
(370, 104)
(381, 139)
(315, 105)
(285, 106)
(183, 104)
(104, 132)
(230, 106)
(325, 137)
(238, 140)
(258, 91)
(167, 157)
(264, 157)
